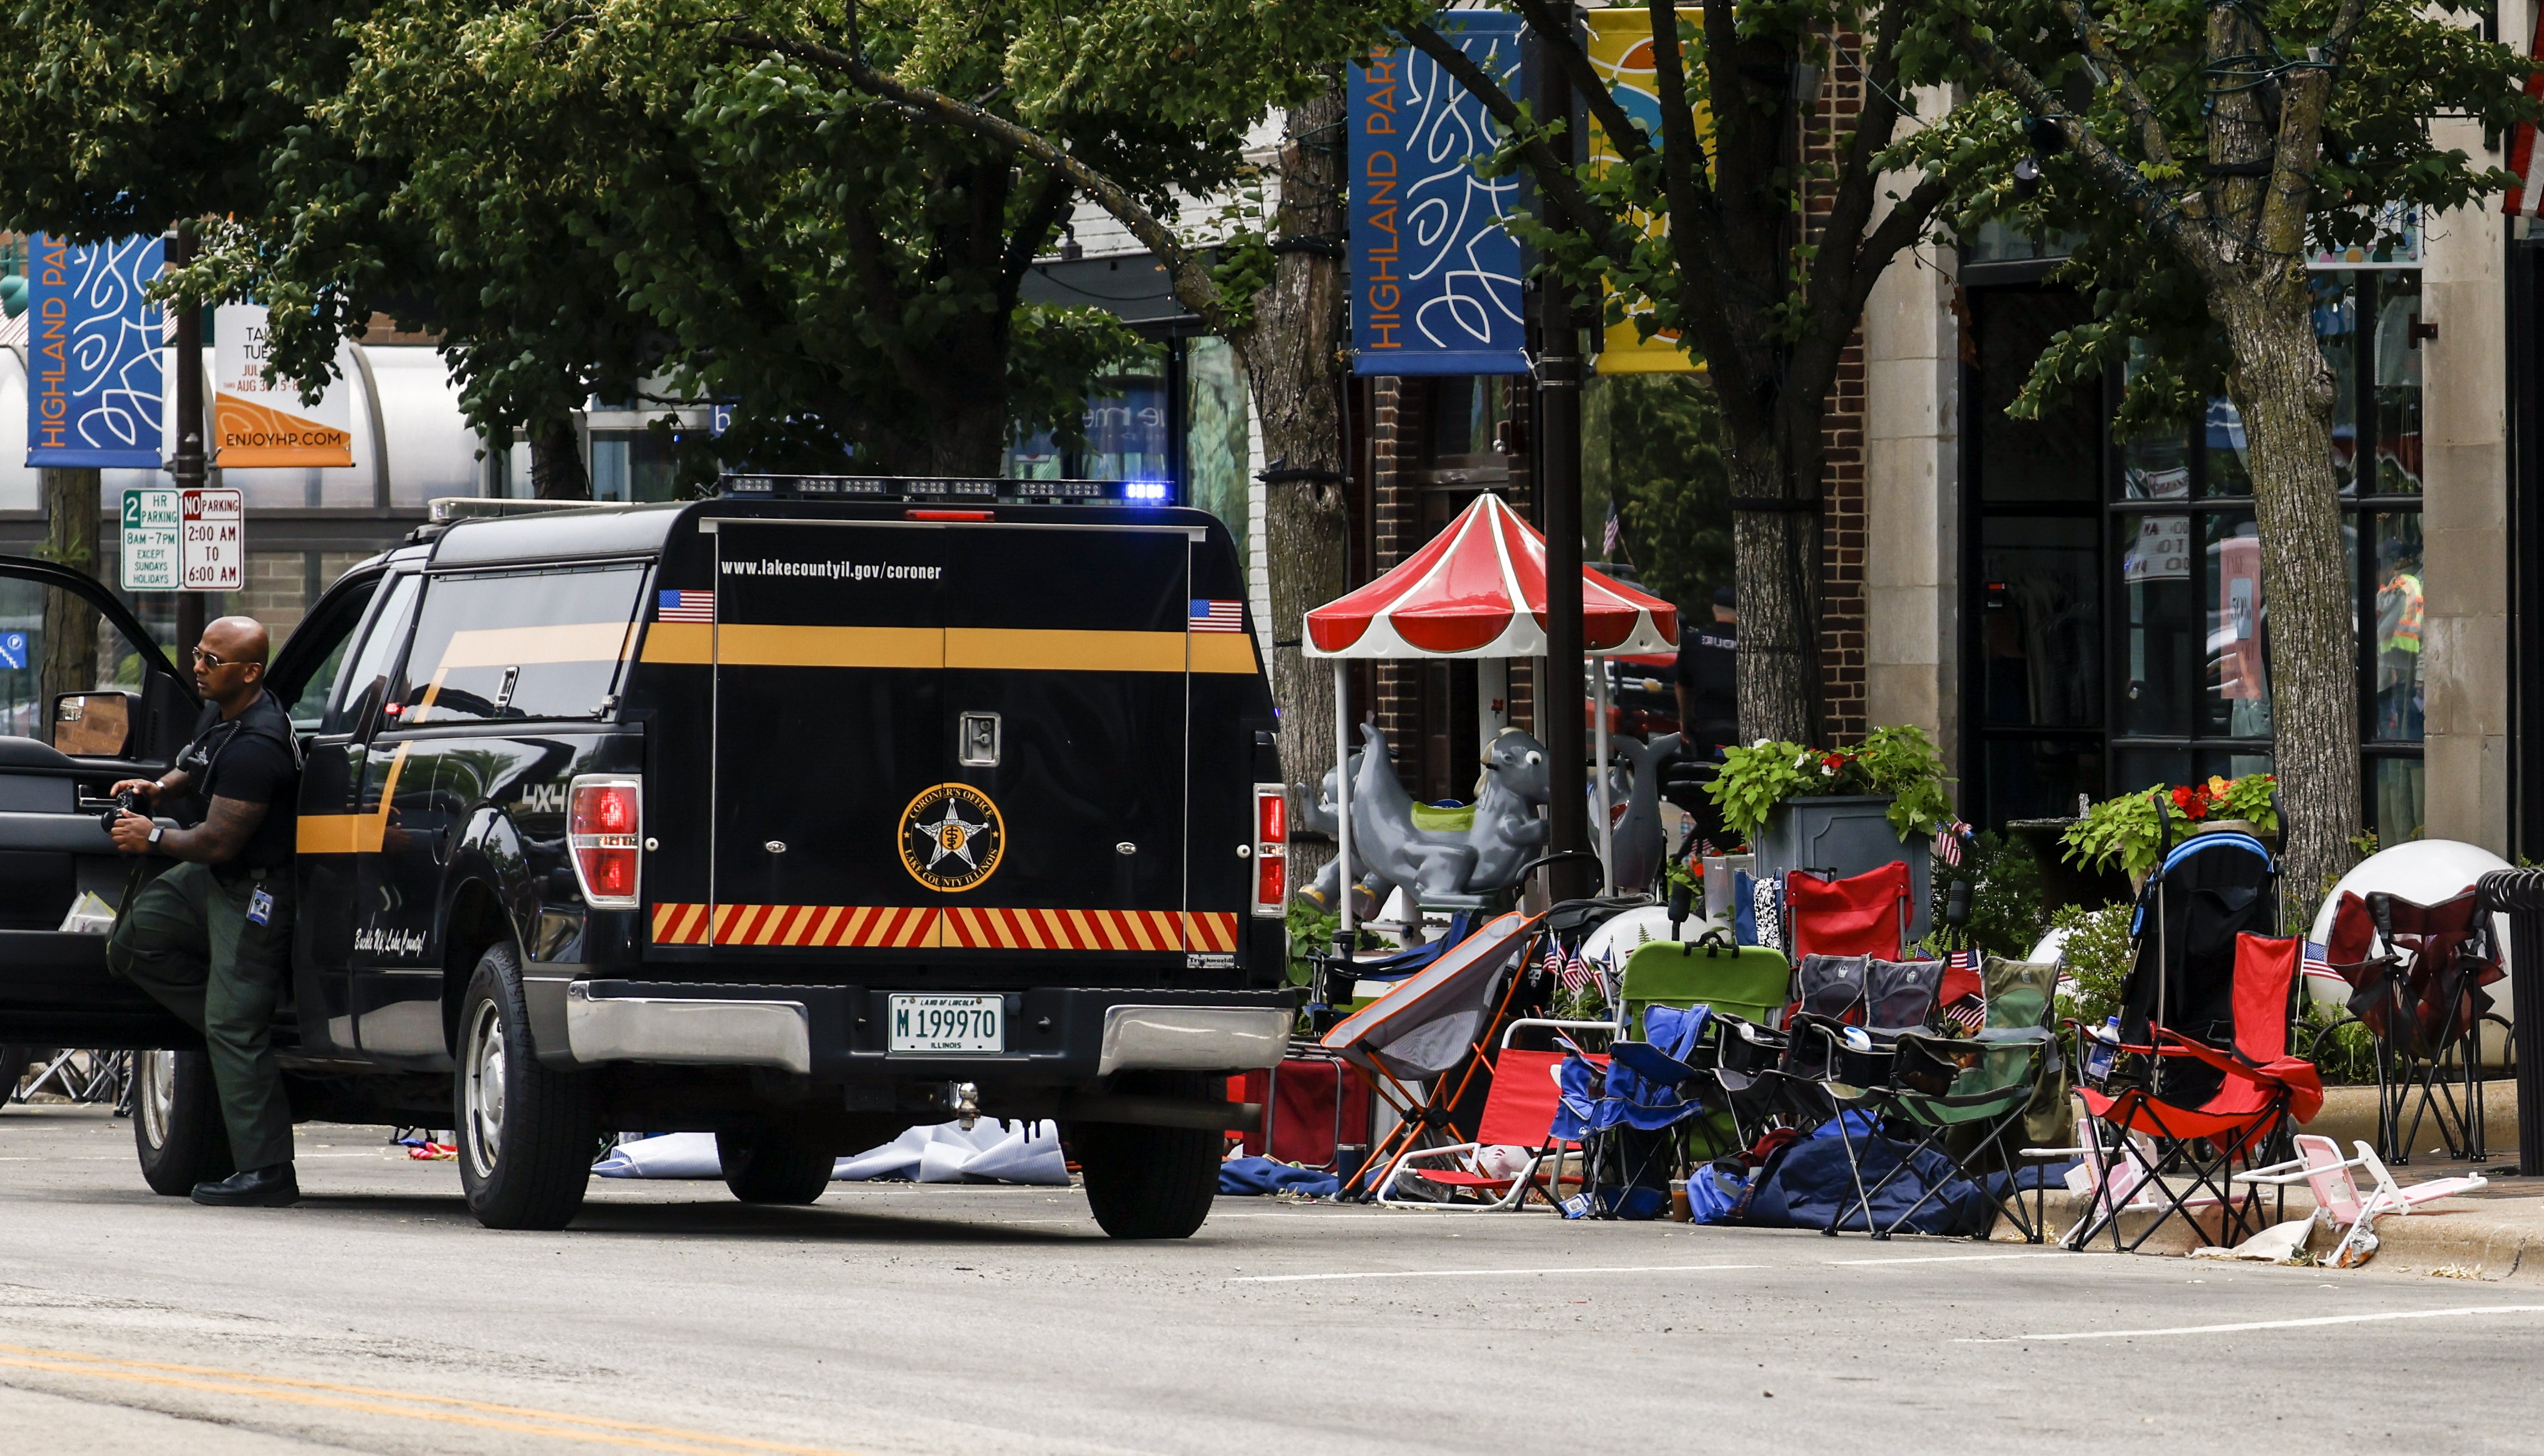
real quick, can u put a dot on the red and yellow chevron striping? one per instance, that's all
(889, 927)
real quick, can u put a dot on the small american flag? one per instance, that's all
(1218, 615)
(1947, 845)
(1614, 534)
(2317, 962)
(686, 606)
(1969, 1014)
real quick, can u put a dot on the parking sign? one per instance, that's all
(212, 554)
(13, 649)
(151, 521)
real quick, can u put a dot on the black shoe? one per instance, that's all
(254, 1188)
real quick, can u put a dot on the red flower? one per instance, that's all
(2192, 802)
(1832, 762)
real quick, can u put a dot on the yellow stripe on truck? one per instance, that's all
(352, 834)
(756, 645)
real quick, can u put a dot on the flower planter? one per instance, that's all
(1848, 834)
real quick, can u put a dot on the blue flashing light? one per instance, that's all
(1145, 489)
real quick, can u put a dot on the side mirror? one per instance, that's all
(95, 725)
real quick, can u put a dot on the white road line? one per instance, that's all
(1937, 1258)
(2409, 1313)
(1621, 1268)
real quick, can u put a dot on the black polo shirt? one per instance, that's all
(251, 758)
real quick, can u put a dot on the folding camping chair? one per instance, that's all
(1866, 915)
(1958, 1097)
(1520, 1110)
(2336, 1199)
(2259, 1094)
(1744, 990)
(1842, 1034)
(1407, 1042)
(2417, 975)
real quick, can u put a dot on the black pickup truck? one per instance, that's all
(797, 820)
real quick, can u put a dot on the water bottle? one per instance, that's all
(2105, 1047)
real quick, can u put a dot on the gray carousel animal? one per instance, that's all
(1437, 863)
(1639, 842)
(1318, 815)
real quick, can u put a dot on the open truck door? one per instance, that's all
(57, 763)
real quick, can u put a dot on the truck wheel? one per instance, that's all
(177, 1123)
(768, 1165)
(526, 1132)
(1151, 1182)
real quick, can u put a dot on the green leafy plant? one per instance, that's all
(1899, 762)
(1311, 934)
(2098, 953)
(2007, 913)
(2339, 1044)
(2126, 829)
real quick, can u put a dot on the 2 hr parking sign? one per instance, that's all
(212, 545)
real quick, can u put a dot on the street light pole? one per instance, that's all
(1558, 495)
(188, 466)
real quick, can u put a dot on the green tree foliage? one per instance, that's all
(2202, 152)
(1662, 443)
(1770, 307)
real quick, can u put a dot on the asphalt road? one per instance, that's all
(378, 1317)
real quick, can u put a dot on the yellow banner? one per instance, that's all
(1620, 48)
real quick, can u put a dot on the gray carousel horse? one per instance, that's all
(1436, 863)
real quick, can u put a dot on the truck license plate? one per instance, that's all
(949, 1024)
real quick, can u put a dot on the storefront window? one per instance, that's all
(2187, 664)
(2194, 709)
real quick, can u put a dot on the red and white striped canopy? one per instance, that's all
(1479, 590)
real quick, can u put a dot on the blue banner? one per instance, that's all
(95, 374)
(1435, 280)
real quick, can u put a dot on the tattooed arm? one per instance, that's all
(217, 840)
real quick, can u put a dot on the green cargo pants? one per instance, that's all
(186, 940)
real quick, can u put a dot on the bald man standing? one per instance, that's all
(211, 937)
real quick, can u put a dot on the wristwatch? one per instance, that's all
(156, 830)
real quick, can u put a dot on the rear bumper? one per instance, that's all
(1055, 1037)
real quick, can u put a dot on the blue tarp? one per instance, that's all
(1812, 1181)
(1244, 1177)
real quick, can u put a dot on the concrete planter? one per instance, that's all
(1848, 834)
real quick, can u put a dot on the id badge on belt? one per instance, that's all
(260, 906)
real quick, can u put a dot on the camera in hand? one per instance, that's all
(125, 802)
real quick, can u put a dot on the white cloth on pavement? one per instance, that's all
(992, 1152)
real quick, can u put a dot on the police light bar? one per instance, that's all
(936, 488)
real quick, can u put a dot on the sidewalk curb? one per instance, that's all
(2467, 1242)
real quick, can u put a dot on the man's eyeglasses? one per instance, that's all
(209, 660)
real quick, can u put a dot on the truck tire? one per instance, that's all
(767, 1166)
(526, 1132)
(1151, 1182)
(177, 1123)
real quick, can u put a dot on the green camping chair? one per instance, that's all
(1750, 982)
(1744, 984)
(1962, 1096)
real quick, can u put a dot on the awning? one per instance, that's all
(1477, 590)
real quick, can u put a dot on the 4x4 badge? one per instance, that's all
(951, 837)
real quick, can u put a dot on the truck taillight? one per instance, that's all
(606, 831)
(1271, 851)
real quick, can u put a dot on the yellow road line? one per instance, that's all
(288, 1390)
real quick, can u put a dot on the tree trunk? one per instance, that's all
(71, 623)
(1290, 360)
(1774, 554)
(969, 438)
(556, 460)
(2284, 390)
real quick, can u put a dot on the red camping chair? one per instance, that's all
(1519, 1111)
(2417, 975)
(2263, 1092)
(1867, 915)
